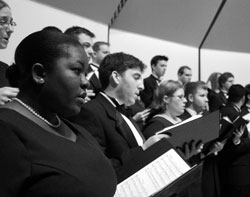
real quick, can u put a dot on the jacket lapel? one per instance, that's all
(94, 81)
(121, 125)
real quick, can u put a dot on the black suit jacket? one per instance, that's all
(223, 99)
(105, 123)
(235, 159)
(147, 95)
(215, 100)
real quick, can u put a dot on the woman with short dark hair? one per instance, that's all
(42, 154)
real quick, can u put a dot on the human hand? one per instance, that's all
(153, 139)
(190, 149)
(217, 147)
(90, 93)
(237, 134)
(141, 116)
(7, 93)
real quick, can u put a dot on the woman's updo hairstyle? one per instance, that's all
(166, 88)
(43, 47)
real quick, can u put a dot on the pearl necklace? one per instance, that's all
(37, 115)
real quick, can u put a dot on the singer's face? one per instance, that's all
(177, 102)
(66, 83)
(228, 83)
(160, 68)
(200, 100)
(130, 85)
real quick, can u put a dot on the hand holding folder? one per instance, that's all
(194, 130)
(228, 127)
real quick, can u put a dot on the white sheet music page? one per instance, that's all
(154, 176)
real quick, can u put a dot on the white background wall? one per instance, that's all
(31, 16)
(224, 61)
(145, 48)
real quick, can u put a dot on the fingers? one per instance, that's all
(9, 92)
(200, 147)
(4, 100)
(86, 99)
(90, 93)
(146, 111)
(142, 116)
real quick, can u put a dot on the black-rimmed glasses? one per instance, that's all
(6, 22)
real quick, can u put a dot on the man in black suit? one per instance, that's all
(100, 50)
(235, 157)
(226, 80)
(121, 78)
(245, 109)
(197, 103)
(158, 65)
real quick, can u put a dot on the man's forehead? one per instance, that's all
(201, 90)
(187, 72)
(230, 79)
(133, 71)
(83, 38)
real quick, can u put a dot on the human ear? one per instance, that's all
(94, 54)
(248, 96)
(166, 99)
(190, 98)
(115, 78)
(38, 73)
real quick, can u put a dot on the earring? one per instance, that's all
(40, 81)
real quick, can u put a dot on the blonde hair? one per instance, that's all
(166, 88)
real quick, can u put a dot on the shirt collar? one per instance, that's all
(112, 100)
(191, 111)
(157, 79)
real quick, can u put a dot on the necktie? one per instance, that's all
(120, 107)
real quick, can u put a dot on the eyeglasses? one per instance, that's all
(6, 22)
(180, 97)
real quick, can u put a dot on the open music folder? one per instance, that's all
(197, 128)
(167, 174)
(228, 127)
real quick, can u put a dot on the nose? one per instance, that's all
(206, 99)
(184, 100)
(141, 85)
(10, 28)
(84, 82)
(90, 51)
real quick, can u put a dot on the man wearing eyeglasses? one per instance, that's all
(6, 29)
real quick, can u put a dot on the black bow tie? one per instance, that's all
(120, 107)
